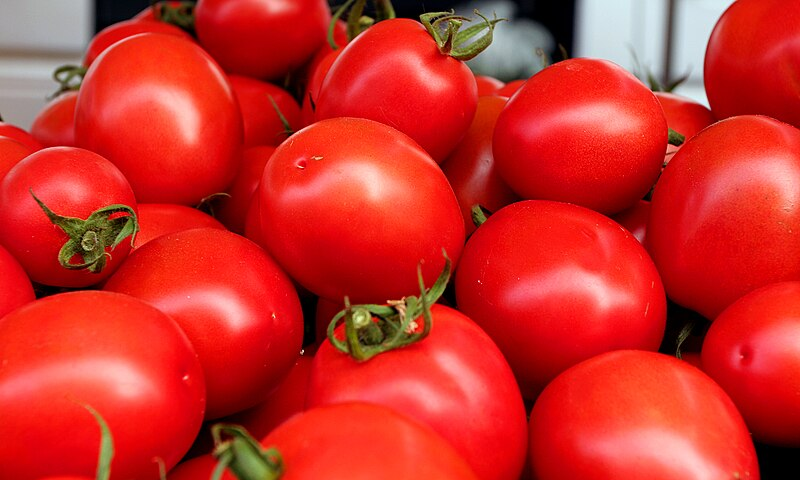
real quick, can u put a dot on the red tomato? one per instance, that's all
(748, 65)
(488, 85)
(394, 73)
(124, 29)
(22, 136)
(240, 311)
(583, 131)
(634, 219)
(156, 219)
(114, 353)
(160, 108)
(54, 125)
(262, 123)
(752, 351)
(356, 441)
(454, 380)
(638, 415)
(683, 114)
(510, 88)
(232, 210)
(471, 169)
(316, 75)
(555, 283)
(264, 39)
(11, 153)
(14, 283)
(75, 183)
(724, 213)
(331, 202)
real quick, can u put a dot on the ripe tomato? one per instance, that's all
(54, 125)
(232, 209)
(22, 136)
(394, 73)
(724, 213)
(156, 219)
(239, 310)
(176, 132)
(684, 115)
(488, 85)
(455, 380)
(75, 183)
(556, 283)
(638, 415)
(751, 350)
(748, 67)
(11, 153)
(124, 29)
(635, 219)
(583, 131)
(332, 199)
(262, 122)
(264, 39)
(122, 357)
(14, 283)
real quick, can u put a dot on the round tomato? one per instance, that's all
(724, 213)
(261, 117)
(54, 125)
(156, 219)
(124, 29)
(14, 283)
(22, 136)
(635, 219)
(584, 131)
(116, 354)
(351, 207)
(11, 152)
(556, 283)
(638, 415)
(231, 209)
(82, 229)
(161, 109)
(684, 115)
(751, 349)
(238, 308)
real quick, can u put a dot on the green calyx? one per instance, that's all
(356, 20)
(445, 28)
(371, 329)
(240, 453)
(180, 14)
(105, 227)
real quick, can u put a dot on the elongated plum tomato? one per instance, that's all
(584, 131)
(350, 207)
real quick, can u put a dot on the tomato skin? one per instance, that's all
(22, 136)
(54, 125)
(124, 29)
(555, 283)
(366, 82)
(11, 153)
(751, 350)
(488, 85)
(635, 219)
(262, 125)
(232, 210)
(470, 395)
(14, 283)
(748, 66)
(638, 415)
(684, 115)
(605, 155)
(238, 308)
(131, 363)
(156, 219)
(264, 39)
(72, 182)
(330, 203)
(176, 134)
(723, 213)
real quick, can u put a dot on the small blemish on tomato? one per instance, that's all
(301, 164)
(745, 355)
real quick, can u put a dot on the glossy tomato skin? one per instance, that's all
(11, 152)
(638, 415)
(366, 81)
(724, 212)
(14, 283)
(114, 353)
(583, 131)
(749, 66)
(635, 219)
(124, 29)
(54, 125)
(156, 219)
(19, 134)
(332, 202)
(555, 283)
(470, 168)
(684, 115)
(238, 308)
(72, 182)
(751, 350)
(455, 380)
(176, 133)
(232, 208)
(264, 39)
(262, 124)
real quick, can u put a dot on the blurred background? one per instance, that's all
(664, 37)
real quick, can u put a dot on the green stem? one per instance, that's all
(243, 455)
(675, 138)
(445, 28)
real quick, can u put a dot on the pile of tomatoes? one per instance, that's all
(265, 239)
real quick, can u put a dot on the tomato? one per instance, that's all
(232, 209)
(261, 119)
(316, 75)
(75, 183)
(14, 283)
(724, 213)
(510, 88)
(161, 109)
(122, 357)
(684, 115)
(748, 66)
(584, 131)
(238, 308)
(455, 380)
(556, 283)
(635, 219)
(156, 219)
(54, 125)
(124, 29)
(11, 153)
(264, 39)
(488, 85)
(395, 73)
(638, 415)
(751, 350)
(332, 199)
(357, 441)
(22, 136)
(470, 167)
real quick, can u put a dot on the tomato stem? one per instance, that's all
(445, 28)
(675, 138)
(180, 14)
(69, 78)
(243, 455)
